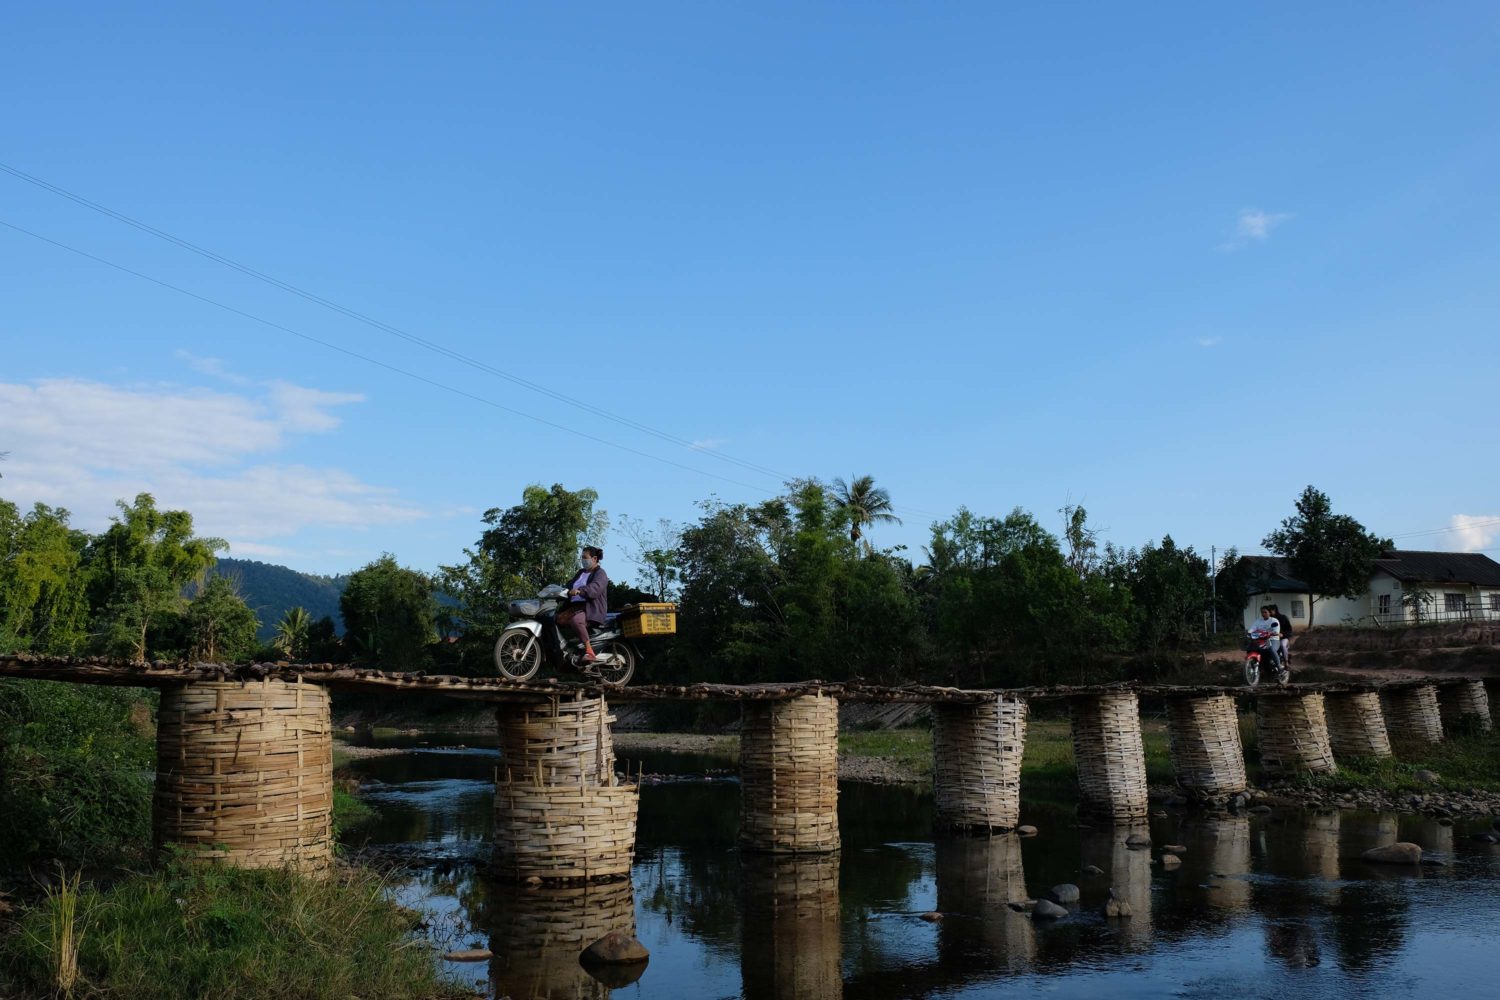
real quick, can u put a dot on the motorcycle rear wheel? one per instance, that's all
(518, 655)
(1252, 671)
(616, 664)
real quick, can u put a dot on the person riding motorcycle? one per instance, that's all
(1268, 629)
(587, 599)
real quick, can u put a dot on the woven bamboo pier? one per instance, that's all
(1292, 731)
(1464, 704)
(1412, 715)
(1356, 725)
(561, 813)
(792, 936)
(244, 774)
(789, 765)
(1110, 755)
(1204, 739)
(976, 772)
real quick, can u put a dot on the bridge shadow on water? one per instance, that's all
(1275, 905)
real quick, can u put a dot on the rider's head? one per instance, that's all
(592, 556)
(1265, 611)
(1275, 610)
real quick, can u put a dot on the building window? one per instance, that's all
(1383, 604)
(1298, 611)
(1495, 602)
(1455, 602)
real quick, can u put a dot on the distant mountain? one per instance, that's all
(270, 590)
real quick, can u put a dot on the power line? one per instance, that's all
(395, 331)
(380, 364)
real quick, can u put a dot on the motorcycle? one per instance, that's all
(1257, 647)
(534, 636)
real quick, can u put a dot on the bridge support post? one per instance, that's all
(1110, 756)
(789, 767)
(1292, 731)
(976, 763)
(1356, 725)
(1466, 700)
(244, 773)
(561, 813)
(1412, 715)
(1204, 739)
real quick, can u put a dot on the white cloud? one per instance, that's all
(1254, 226)
(1210, 341)
(709, 444)
(1474, 532)
(83, 444)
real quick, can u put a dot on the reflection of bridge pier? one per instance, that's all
(536, 935)
(976, 878)
(1129, 872)
(792, 947)
(1225, 844)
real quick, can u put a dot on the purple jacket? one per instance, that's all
(595, 587)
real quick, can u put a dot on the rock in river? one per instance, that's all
(1026, 831)
(1067, 892)
(469, 955)
(1045, 909)
(615, 948)
(1401, 853)
(1137, 840)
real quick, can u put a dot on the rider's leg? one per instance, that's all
(580, 622)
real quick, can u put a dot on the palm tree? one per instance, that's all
(291, 632)
(865, 504)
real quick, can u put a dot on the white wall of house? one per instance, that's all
(1382, 599)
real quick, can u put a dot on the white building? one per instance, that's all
(1405, 588)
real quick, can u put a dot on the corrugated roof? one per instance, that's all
(1273, 574)
(1441, 567)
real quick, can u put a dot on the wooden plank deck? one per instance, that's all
(161, 674)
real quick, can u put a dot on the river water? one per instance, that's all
(1262, 906)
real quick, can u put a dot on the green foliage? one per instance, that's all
(1168, 589)
(292, 633)
(43, 606)
(217, 624)
(75, 773)
(389, 615)
(863, 504)
(138, 569)
(218, 932)
(1332, 553)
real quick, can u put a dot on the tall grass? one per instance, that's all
(233, 935)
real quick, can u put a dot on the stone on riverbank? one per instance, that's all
(1026, 831)
(1170, 861)
(1116, 908)
(1401, 853)
(469, 955)
(1174, 848)
(1092, 870)
(1137, 841)
(1067, 892)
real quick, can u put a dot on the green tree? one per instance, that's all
(43, 602)
(1333, 553)
(138, 569)
(524, 548)
(292, 633)
(389, 615)
(656, 552)
(1169, 592)
(218, 626)
(864, 505)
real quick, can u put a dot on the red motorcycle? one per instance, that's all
(1257, 648)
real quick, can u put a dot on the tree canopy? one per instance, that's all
(1332, 553)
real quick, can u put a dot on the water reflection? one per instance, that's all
(976, 878)
(1224, 844)
(790, 942)
(1129, 872)
(537, 934)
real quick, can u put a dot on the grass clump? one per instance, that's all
(190, 932)
(1462, 762)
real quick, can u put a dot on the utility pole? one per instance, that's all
(1213, 568)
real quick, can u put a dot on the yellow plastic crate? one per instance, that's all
(649, 619)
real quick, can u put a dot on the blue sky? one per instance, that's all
(1172, 262)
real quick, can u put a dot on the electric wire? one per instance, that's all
(380, 364)
(395, 331)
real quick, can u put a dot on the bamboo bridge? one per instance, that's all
(244, 770)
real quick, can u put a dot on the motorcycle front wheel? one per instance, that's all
(1252, 671)
(518, 655)
(616, 663)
